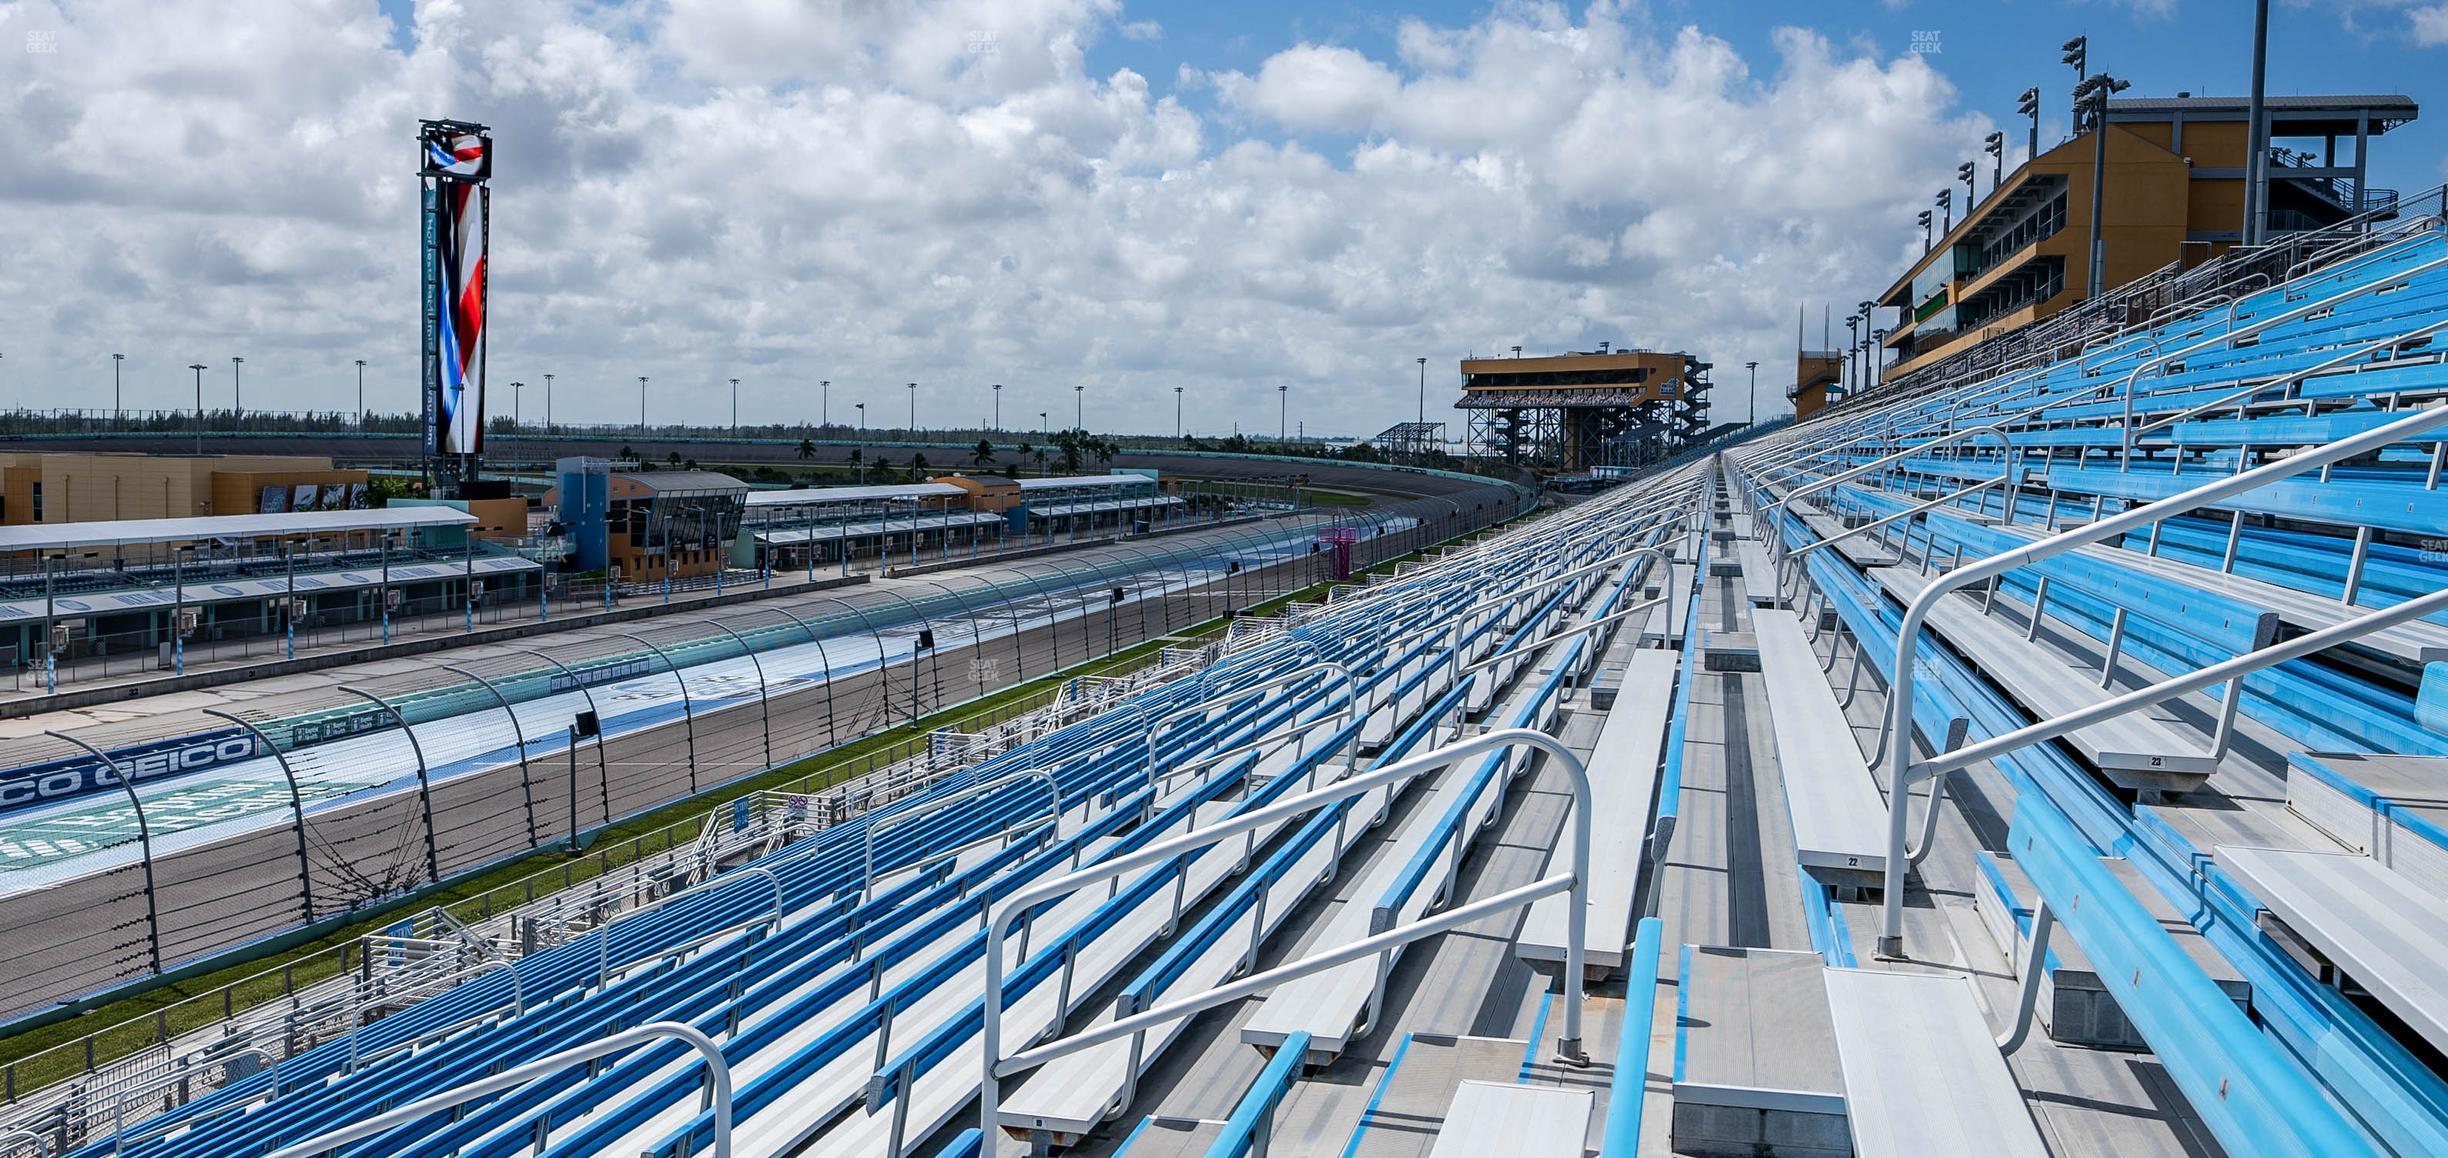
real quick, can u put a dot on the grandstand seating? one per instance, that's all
(2244, 876)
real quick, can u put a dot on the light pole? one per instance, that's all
(735, 409)
(1423, 389)
(1969, 174)
(2078, 57)
(824, 403)
(1043, 425)
(237, 397)
(116, 414)
(1753, 367)
(1852, 345)
(641, 404)
(2094, 92)
(2029, 105)
(518, 390)
(548, 422)
(361, 395)
(1283, 410)
(998, 413)
(198, 367)
(913, 426)
(1079, 404)
(1177, 393)
(1869, 314)
(2256, 135)
(1995, 145)
(1946, 201)
(1925, 231)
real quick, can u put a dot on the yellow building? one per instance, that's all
(2173, 196)
(44, 487)
(1816, 377)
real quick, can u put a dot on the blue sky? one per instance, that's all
(1126, 195)
(1991, 49)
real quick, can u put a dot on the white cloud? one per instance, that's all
(2429, 25)
(937, 190)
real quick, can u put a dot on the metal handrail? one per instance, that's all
(1351, 697)
(2255, 327)
(521, 1075)
(1054, 808)
(1994, 430)
(1906, 513)
(1908, 633)
(2220, 403)
(996, 1066)
(603, 931)
(357, 1022)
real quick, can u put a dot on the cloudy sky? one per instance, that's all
(1113, 194)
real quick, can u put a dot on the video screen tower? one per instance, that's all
(456, 165)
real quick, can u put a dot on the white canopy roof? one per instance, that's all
(1084, 482)
(293, 524)
(812, 496)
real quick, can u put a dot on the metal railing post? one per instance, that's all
(1908, 634)
(717, 1066)
(1576, 883)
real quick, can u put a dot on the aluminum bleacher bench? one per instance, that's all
(1839, 815)
(2138, 750)
(1758, 574)
(1922, 1071)
(1488, 1118)
(1860, 550)
(1624, 767)
(2393, 807)
(2378, 927)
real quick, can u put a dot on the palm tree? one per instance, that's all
(1105, 449)
(675, 458)
(984, 456)
(1041, 462)
(918, 466)
(883, 469)
(1026, 450)
(858, 461)
(807, 450)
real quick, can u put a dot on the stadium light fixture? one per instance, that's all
(1969, 173)
(1995, 145)
(641, 404)
(1925, 231)
(913, 426)
(237, 396)
(361, 413)
(2093, 93)
(116, 361)
(548, 421)
(1423, 389)
(2078, 56)
(998, 407)
(735, 409)
(1946, 202)
(2029, 105)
